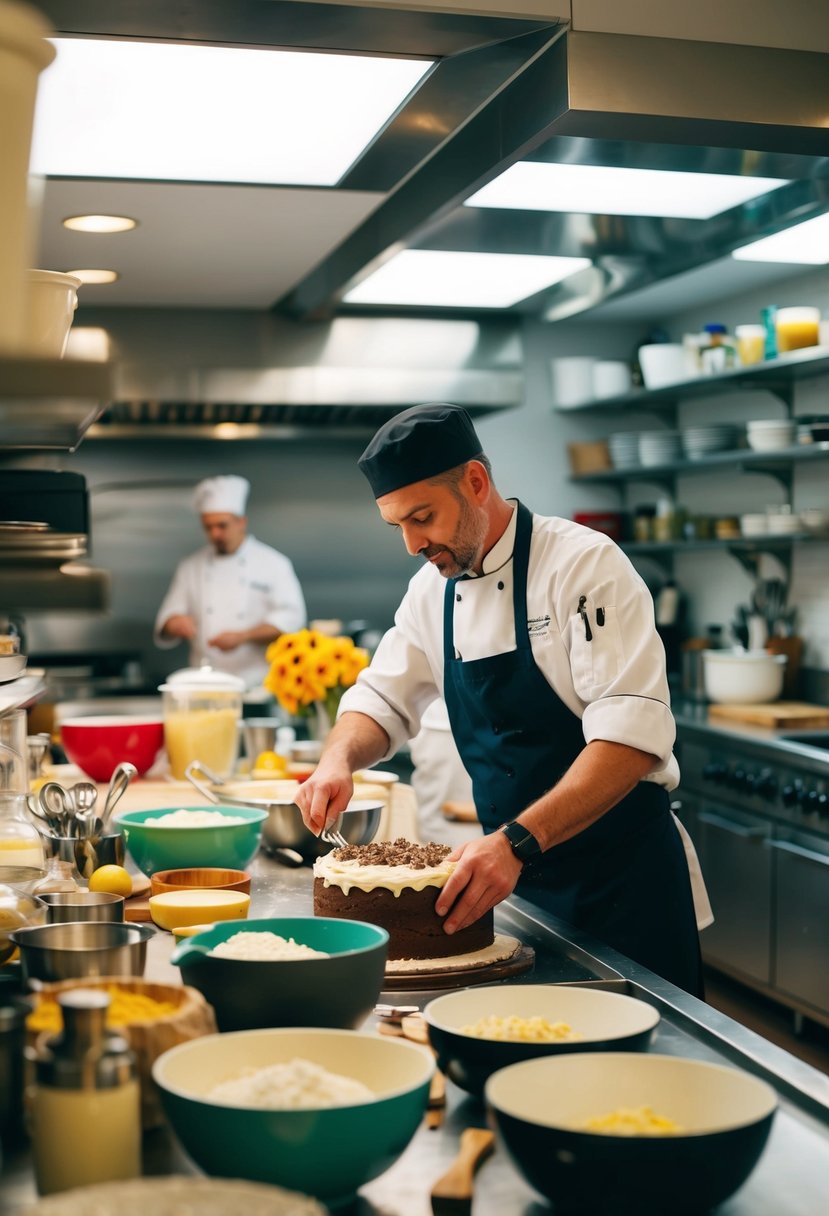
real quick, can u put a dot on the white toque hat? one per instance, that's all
(222, 495)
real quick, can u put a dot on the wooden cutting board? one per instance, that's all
(781, 715)
(137, 907)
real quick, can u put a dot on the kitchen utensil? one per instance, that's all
(338, 990)
(782, 715)
(89, 854)
(743, 676)
(230, 841)
(57, 806)
(65, 906)
(202, 709)
(329, 1152)
(99, 743)
(284, 827)
(203, 878)
(80, 949)
(333, 837)
(603, 1021)
(118, 783)
(540, 1108)
(451, 1195)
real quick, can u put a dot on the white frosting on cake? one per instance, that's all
(348, 874)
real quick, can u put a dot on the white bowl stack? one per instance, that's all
(624, 449)
(699, 441)
(659, 447)
(783, 523)
(770, 434)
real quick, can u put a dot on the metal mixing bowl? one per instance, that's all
(284, 828)
(81, 950)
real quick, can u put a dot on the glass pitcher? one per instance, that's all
(14, 757)
(20, 843)
(202, 711)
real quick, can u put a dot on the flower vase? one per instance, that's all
(320, 722)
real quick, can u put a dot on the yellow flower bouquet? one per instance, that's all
(309, 669)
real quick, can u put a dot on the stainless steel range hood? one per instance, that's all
(224, 375)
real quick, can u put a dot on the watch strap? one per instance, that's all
(521, 840)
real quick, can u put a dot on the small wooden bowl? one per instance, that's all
(200, 878)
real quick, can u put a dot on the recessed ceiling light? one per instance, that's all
(95, 277)
(100, 223)
(169, 111)
(446, 279)
(603, 190)
(805, 244)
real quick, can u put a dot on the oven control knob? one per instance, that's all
(739, 779)
(766, 786)
(790, 795)
(823, 804)
(813, 801)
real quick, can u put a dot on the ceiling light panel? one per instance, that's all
(440, 279)
(177, 112)
(805, 244)
(100, 223)
(603, 190)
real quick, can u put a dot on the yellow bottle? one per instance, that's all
(84, 1108)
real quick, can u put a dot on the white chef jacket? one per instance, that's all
(256, 585)
(616, 683)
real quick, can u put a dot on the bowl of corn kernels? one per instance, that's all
(478, 1030)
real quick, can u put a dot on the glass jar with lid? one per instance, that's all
(202, 708)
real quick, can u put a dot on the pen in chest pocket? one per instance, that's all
(582, 611)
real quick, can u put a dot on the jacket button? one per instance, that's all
(458, 598)
(500, 586)
(492, 807)
(496, 729)
(510, 772)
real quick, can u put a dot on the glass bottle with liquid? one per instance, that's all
(20, 843)
(84, 1107)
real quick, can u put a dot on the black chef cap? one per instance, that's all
(418, 443)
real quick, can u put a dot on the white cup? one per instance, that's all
(663, 363)
(51, 300)
(572, 380)
(611, 378)
(24, 53)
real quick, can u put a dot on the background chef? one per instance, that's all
(233, 597)
(540, 635)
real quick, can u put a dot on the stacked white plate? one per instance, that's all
(699, 441)
(659, 447)
(624, 449)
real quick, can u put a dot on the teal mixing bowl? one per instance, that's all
(153, 847)
(250, 994)
(327, 1152)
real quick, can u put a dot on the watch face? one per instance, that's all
(524, 845)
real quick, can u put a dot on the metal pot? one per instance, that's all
(82, 950)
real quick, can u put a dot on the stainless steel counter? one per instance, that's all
(791, 1179)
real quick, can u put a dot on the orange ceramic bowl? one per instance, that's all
(200, 878)
(99, 743)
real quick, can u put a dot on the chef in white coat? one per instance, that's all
(233, 597)
(540, 636)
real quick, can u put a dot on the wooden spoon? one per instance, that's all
(452, 1193)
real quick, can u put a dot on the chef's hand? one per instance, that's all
(486, 872)
(180, 626)
(325, 794)
(228, 640)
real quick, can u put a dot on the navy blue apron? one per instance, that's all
(625, 878)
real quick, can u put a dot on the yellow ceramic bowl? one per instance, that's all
(172, 909)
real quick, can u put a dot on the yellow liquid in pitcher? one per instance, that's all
(20, 851)
(209, 735)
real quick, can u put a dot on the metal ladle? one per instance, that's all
(118, 783)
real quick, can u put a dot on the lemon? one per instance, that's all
(271, 762)
(115, 880)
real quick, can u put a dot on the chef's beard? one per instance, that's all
(463, 553)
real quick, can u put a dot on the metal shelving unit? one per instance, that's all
(49, 404)
(777, 376)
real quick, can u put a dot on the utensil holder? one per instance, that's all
(87, 855)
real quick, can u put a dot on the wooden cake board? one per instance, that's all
(440, 973)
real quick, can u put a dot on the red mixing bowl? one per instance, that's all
(98, 744)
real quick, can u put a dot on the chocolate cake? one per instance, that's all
(396, 884)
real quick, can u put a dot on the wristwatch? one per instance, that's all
(521, 840)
